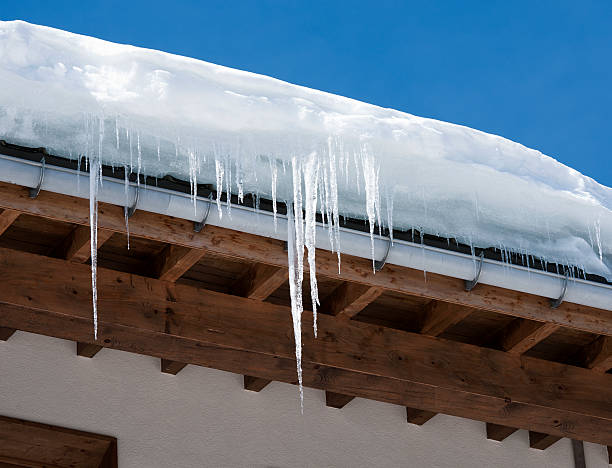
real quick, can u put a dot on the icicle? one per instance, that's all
(274, 172)
(598, 239)
(94, 178)
(311, 176)
(126, 186)
(295, 288)
(370, 176)
(219, 174)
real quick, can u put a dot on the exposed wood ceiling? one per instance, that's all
(219, 298)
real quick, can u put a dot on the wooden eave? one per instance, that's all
(219, 298)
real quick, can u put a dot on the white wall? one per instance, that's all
(203, 417)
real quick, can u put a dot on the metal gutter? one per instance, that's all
(242, 218)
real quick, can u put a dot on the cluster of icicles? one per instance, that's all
(314, 181)
(309, 182)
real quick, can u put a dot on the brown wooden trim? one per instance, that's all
(348, 299)
(6, 333)
(337, 400)
(255, 384)
(171, 367)
(77, 245)
(440, 316)
(260, 281)
(417, 416)
(498, 432)
(609, 455)
(540, 441)
(87, 349)
(174, 261)
(598, 355)
(31, 444)
(198, 326)
(270, 251)
(7, 217)
(522, 335)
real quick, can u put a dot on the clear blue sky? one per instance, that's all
(537, 72)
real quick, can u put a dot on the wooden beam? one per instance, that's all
(598, 355)
(171, 367)
(7, 217)
(440, 316)
(76, 247)
(417, 416)
(348, 299)
(259, 249)
(174, 261)
(6, 333)
(540, 441)
(610, 455)
(52, 297)
(337, 400)
(31, 444)
(499, 433)
(522, 335)
(260, 281)
(87, 349)
(255, 384)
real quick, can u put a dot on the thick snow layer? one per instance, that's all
(165, 114)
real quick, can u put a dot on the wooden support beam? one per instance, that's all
(171, 367)
(255, 384)
(260, 281)
(499, 433)
(348, 299)
(417, 416)
(7, 217)
(174, 261)
(259, 249)
(36, 445)
(87, 349)
(540, 441)
(522, 335)
(6, 333)
(208, 328)
(610, 455)
(598, 355)
(337, 400)
(76, 247)
(440, 316)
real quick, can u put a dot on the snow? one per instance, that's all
(157, 114)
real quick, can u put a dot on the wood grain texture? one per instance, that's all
(439, 316)
(255, 384)
(337, 400)
(540, 441)
(171, 367)
(349, 299)
(26, 443)
(208, 328)
(7, 217)
(174, 261)
(522, 335)
(259, 281)
(598, 355)
(418, 416)
(270, 251)
(77, 246)
(499, 433)
(87, 349)
(6, 333)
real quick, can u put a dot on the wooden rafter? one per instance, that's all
(77, 245)
(174, 261)
(223, 331)
(269, 251)
(31, 444)
(255, 384)
(6, 333)
(349, 299)
(7, 217)
(260, 280)
(87, 349)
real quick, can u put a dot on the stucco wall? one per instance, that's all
(203, 417)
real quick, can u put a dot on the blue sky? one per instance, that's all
(537, 72)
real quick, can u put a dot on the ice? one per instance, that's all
(250, 134)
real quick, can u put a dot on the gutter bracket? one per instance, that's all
(199, 225)
(554, 303)
(132, 209)
(36, 190)
(380, 264)
(471, 284)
